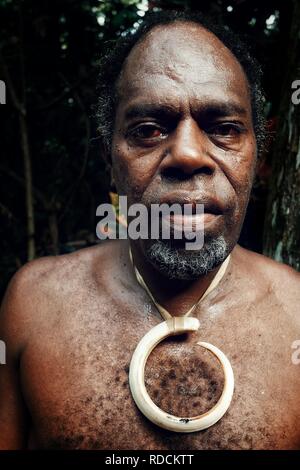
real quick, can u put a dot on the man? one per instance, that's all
(185, 129)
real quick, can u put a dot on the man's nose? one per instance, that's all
(188, 151)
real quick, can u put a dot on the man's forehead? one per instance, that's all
(181, 56)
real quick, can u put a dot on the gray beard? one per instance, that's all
(187, 265)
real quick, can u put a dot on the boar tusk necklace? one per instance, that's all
(170, 327)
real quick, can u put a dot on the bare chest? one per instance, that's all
(76, 386)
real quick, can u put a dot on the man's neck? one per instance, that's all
(175, 295)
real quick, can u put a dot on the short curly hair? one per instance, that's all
(112, 61)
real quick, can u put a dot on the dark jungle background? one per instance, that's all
(52, 176)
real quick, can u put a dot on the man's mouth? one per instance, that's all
(192, 222)
(211, 204)
(203, 212)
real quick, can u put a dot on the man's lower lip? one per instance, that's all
(193, 222)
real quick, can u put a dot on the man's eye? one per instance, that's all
(225, 130)
(148, 132)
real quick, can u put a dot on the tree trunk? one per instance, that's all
(53, 233)
(282, 226)
(28, 188)
(20, 106)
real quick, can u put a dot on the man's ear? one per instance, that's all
(105, 152)
(112, 180)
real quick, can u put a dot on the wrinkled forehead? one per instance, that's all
(182, 59)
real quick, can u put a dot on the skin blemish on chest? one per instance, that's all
(183, 379)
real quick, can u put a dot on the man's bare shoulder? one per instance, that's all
(51, 271)
(280, 278)
(47, 282)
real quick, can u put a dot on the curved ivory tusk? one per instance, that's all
(174, 326)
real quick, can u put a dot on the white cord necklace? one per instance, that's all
(170, 327)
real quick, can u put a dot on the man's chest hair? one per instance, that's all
(88, 404)
(99, 422)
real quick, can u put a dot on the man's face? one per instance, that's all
(183, 134)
